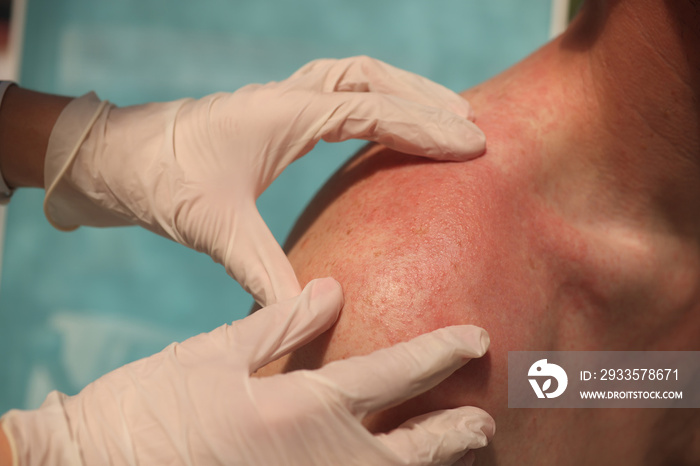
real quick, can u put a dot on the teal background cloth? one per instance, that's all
(74, 306)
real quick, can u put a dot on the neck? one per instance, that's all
(614, 105)
(608, 120)
(641, 66)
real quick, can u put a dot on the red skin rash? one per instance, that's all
(499, 242)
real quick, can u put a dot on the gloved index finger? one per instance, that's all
(397, 123)
(256, 260)
(392, 375)
(275, 330)
(366, 74)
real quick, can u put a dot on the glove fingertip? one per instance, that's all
(322, 287)
(477, 426)
(469, 142)
(485, 341)
(488, 428)
(471, 115)
(326, 295)
(473, 340)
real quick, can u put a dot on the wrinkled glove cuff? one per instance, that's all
(64, 205)
(41, 436)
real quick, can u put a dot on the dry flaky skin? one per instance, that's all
(518, 242)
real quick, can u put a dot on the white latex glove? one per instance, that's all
(196, 403)
(191, 170)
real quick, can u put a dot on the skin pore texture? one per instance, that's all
(577, 230)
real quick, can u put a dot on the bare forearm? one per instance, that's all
(26, 120)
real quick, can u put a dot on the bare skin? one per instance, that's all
(26, 120)
(578, 230)
(5, 450)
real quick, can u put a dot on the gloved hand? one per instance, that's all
(196, 403)
(191, 170)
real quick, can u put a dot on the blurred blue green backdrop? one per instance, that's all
(76, 305)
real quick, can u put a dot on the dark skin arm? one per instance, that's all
(5, 451)
(26, 120)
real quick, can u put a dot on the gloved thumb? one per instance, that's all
(254, 258)
(274, 331)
